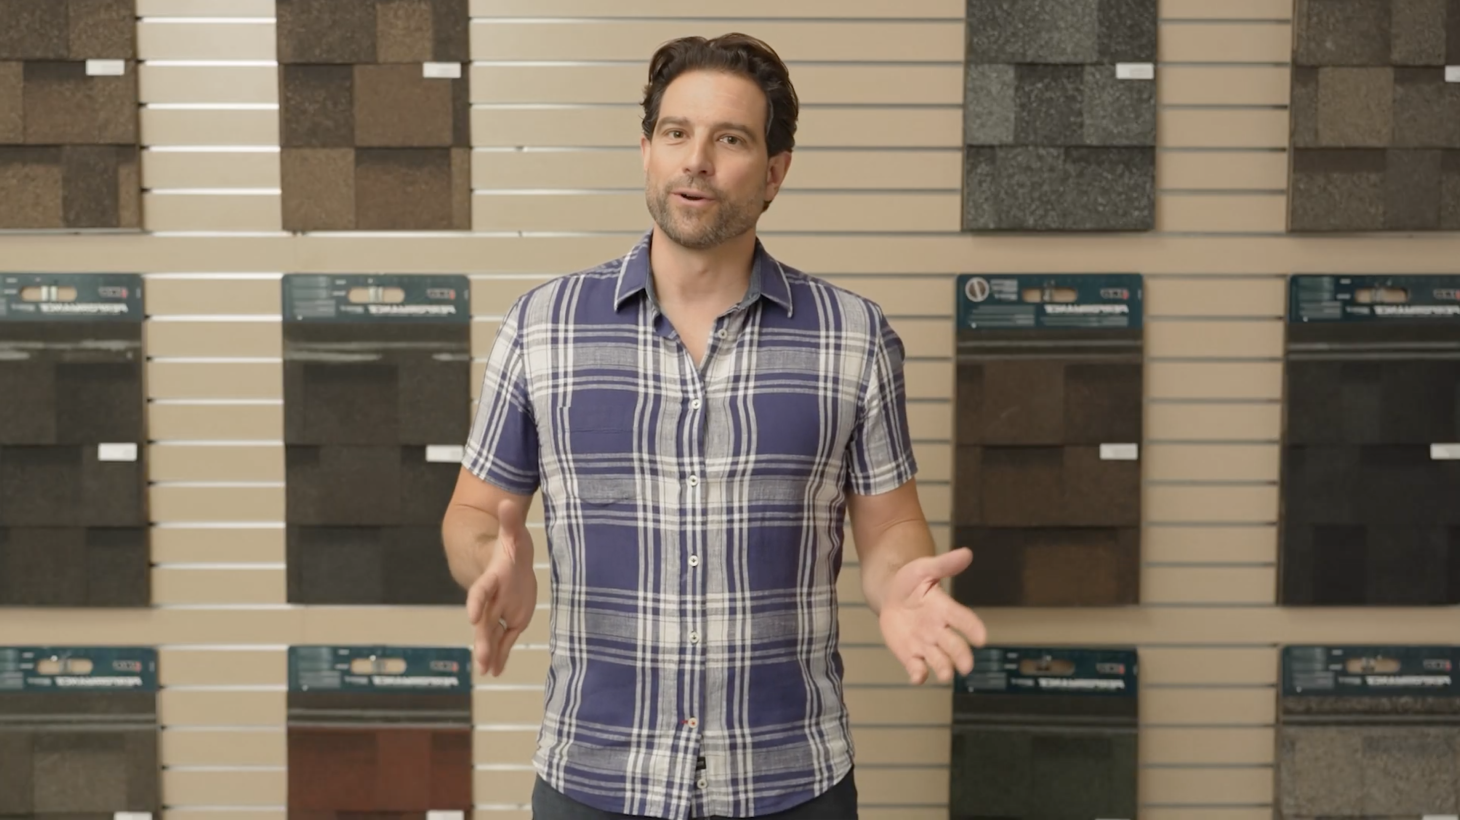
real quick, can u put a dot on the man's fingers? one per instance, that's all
(482, 646)
(481, 594)
(917, 671)
(958, 650)
(938, 661)
(952, 562)
(509, 637)
(965, 621)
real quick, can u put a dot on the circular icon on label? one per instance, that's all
(977, 289)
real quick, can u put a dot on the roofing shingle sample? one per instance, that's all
(1303, 108)
(1110, 189)
(12, 103)
(1128, 31)
(1338, 190)
(43, 566)
(102, 29)
(396, 107)
(406, 189)
(1355, 107)
(318, 187)
(118, 567)
(1412, 198)
(1029, 191)
(1342, 32)
(1117, 112)
(979, 188)
(59, 108)
(90, 198)
(33, 30)
(335, 565)
(99, 401)
(1417, 32)
(404, 31)
(451, 30)
(316, 108)
(988, 99)
(326, 31)
(1048, 106)
(1033, 31)
(342, 485)
(1426, 109)
(30, 188)
(17, 783)
(415, 568)
(1450, 191)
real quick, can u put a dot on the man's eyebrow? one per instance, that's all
(719, 126)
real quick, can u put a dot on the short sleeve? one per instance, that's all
(502, 448)
(880, 456)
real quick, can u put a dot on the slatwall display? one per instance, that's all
(874, 203)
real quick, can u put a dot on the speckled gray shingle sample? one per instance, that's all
(1426, 109)
(1128, 31)
(1417, 32)
(1111, 189)
(1355, 107)
(978, 188)
(1450, 191)
(1303, 107)
(1047, 105)
(1337, 190)
(1118, 112)
(1031, 31)
(1412, 199)
(1342, 32)
(988, 99)
(1029, 191)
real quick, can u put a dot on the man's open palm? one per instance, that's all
(923, 626)
(501, 602)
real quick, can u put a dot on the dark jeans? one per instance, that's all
(839, 803)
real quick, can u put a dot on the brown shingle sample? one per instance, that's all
(30, 188)
(89, 179)
(317, 106)
(326, 31)
(406, 189)
(33, 30)
(404, 31)
(1342, 32)
(1338, 190)
(1355, 107)
(12, 103)
(102, 29)
(318, 188)
(396, 107)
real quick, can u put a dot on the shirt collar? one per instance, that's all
(767, 277)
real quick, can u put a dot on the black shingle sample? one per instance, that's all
(317, 106)
(1450, 191)
(43, 567)
(335, 565)
(27, 416)
(118, 569)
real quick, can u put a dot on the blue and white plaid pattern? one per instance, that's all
(694, 527)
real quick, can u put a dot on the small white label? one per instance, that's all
(106, 68)
(445, 815)
(1135, 71)
(132, 815)
(1120, 452)
(1441, 817)
(117, 452)
(1445, 452)
(441, 71)
(1452, 75)
(445, 452)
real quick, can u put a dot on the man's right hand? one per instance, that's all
(501, 601)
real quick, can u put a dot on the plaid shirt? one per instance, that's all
(694, 527)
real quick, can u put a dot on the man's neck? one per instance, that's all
(714, 279)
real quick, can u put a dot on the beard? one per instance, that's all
(702, 230)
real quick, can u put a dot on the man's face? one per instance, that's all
(707, 176)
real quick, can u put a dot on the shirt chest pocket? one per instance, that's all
(596, 449)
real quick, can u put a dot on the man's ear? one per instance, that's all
(644, 148)
(775, 174)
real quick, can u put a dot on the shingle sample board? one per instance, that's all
(78, 732)
(1059, 115)
(379, 730)
(1368, 731)
(374, 114)
(73, 472)
(1375, 126)
(377, 397)
(1044, 733)
(1048, 413)
(69, 115)
(1369, 470)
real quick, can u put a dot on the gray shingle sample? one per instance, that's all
(1342, 32)
(1115, 111)
(1029, 193)
(1426, 109)
(12, 103)
(1033, 31)
(1111, 189)
(1128, 31)
(1338, 190)
(1417, 32)
(1355, 107)
(1450, 191)
(1412, 199)
(1047, 104)
(988, 99)
(1303, 108)
(979, 190)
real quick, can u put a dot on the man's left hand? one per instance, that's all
(923, 626)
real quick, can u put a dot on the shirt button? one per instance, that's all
(694, 560)
(721, 334)
(693, 722)
(694, 481)
(695, 405)
(702, 783)
(694, 637)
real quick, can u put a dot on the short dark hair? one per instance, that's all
(733, 53)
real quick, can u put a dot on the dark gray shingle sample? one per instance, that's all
(1128, 31)
(1320, 771)
(1450, 191)
(1337, 190)
(415, 568)
(335, 565)
(12, 103)
(17, 787)
(980, 212)
(99, 401)
(1412, 198)
(1342, 32)
(42, 566)
(1452, 33)
(1111, 189)
(90, 197)
(1417, 32)
(988, 100)
(1029, 191)
(1048, 105)
(1426, 109)
(342, 485)
(1303, 108)
(1115, 111)
(1409, 772)
(80, 772)
(451, 31)
(968, 486)
(326, 31)
(1355, 107)
(317, 106)
(118, 567)
(1033, 31)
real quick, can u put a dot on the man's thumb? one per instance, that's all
(952, 562)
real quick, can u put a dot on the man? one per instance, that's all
(698, 417)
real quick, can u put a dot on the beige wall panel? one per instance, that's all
(219, 296)
(1206, 813)
(794, 41)
(527, 665)
(903, 747)
(1226, 170)
(492, 747)
(619, 126)
(1224, 85)
(903, 813)
(903, 786)
(1238, 787)
(1207, 747)
(935, 461)
(624, 83)
(1215, 297)
(188, 462)
(930, 420)
(928, 379)
(212, 339)
(925, 337)
(1208, 585)
(900, 705)
(169, 127)
(622, 168)
(494, 295)
(204, 667)
(210, 169)
(208, 84)
(196, 422)
(241, 788)
(1213, 422)
(215, 545)
(190, 707)
(1210, 544)
(211, 212)
(791, 212)
(1222, 128)
(1252, 339)
(1261, 42)
(1208, 707)
(898, 296)
(444, 625)
(1214, 380)
(1227, 9)
(182, 504)
(937, 501)
(499, 786)
(1221, 213)
(1211, 462)
(224, 748)
(205, 8)
(511, 706)
(751, 9)
(233, 380)
(1167, 666)
(218, 586)
(252, 40)
(151, 626)
(1221, 504)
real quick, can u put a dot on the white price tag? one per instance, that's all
(441, 71)
(443, 453)
(132, 815)
(445, 815)
(1120, 452)
(125, 451)
(1135, 71)
(106, 68)
(1441, 817)
(1452, 75)
(1445, 452)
